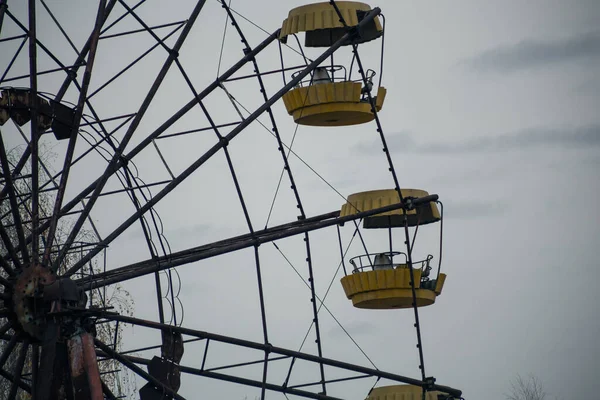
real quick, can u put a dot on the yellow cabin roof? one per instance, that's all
(365, 201)
(400, 392)
(322, 24)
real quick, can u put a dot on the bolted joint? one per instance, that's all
(429, 382)
(173, 53)
(268, 348)
(409, 203)
(223, 141)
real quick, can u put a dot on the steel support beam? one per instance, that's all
(234, 379)
(226, 246)
(278, 350)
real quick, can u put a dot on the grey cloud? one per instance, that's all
(575, 138)
(533, 53)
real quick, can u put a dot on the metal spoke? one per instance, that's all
(17, 169)
(233, 244)
(3, 281)
(35, 364)
(3, 6)
(74, 132)
(59, 26)
(18, 371)
(13, 204)
(12, 61)
(11, 378)
(11, 251)
(33, 107)
(6, 267)
(107, 392)
(8, 350)
(8, 39)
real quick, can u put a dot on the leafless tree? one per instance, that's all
(529, 388)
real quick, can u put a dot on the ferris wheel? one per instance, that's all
(126, 164)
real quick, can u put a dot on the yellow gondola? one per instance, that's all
(378, 280)
(330, 97)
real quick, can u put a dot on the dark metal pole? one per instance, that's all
(74, 131)
(15, 172)
(8, 350)
(222, 247)
(11, 252)
(263, 315)
(3, 7)
(107, 392)
(14, 208)
(18, 371)
(175, 182)
(35, 364)
(33, 104)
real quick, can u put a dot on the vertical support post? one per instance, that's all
(34, 134)
(35, 363)
(3, 7)
(18, 371)
(85, 375)
(264, 321)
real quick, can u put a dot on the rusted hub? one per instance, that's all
(27, 301)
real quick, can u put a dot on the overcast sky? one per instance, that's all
(491, 105)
